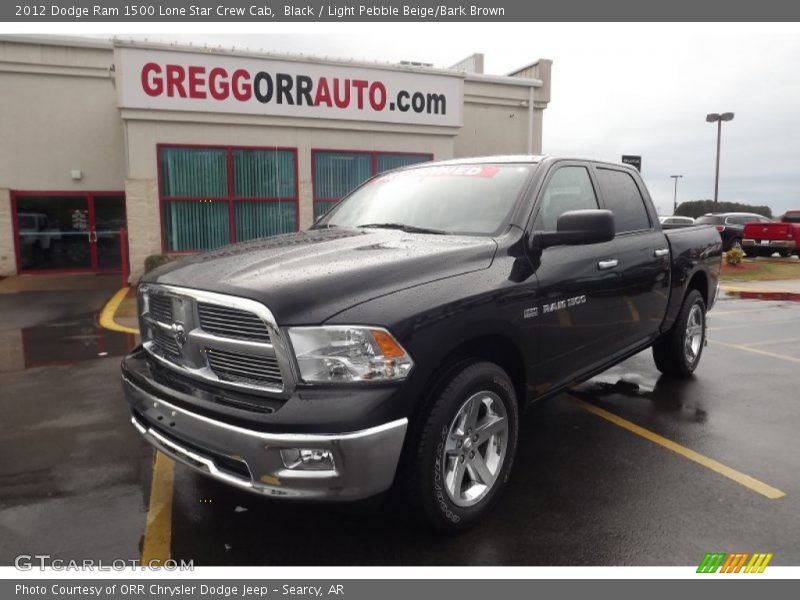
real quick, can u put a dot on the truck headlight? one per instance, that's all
(343, 354)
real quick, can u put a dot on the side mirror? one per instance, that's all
(577, 227)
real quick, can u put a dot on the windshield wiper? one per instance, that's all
(403, 227)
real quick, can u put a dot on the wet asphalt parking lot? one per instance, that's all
(628, 469)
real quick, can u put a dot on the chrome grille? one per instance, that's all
(165, 344)
(232, 322)
(230, 341)
(161, 308)
(245, 368)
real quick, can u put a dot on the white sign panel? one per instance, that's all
(169, 80)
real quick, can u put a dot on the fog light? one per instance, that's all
(307, 459)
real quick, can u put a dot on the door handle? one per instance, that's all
(93, 236)
(661, 252)
(607, 264)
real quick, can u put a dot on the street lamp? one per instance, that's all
(718, 119)
(675, 197)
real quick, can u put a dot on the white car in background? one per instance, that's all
(671, 222)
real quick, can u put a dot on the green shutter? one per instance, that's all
(196, 225)
(202, 174)
(336, 174)
(263, 174)
(387, 162)
(261, 219)
(194, 172)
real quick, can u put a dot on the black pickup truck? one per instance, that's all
(393, 344)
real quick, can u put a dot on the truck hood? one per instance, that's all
(309, 276)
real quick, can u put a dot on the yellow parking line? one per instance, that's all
(745, 480)
(106, 318)
(753, 324)
(769, 342)
(747, 348)
(157, 544)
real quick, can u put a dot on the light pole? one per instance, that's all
(675, 197)
(718, 119)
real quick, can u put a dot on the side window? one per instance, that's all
(622, 197)
(570, 188)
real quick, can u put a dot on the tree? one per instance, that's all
(698, 208)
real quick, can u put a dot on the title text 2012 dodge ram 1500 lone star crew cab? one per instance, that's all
(394, 343)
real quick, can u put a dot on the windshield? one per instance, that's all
(465, 199)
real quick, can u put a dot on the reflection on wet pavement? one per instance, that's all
(64, 340)
(75, 477)
(61, 343)
(73, 473)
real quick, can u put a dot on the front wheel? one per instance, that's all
(678, 351)
(466, 448)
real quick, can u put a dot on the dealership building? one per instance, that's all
(110, 149)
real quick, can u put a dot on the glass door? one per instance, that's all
(68, 232)
(53, 233)
(109, 219)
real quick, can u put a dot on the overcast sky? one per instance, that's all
(623, 89)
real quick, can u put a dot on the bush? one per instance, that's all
(734, 256)
(698, 208)
(156, 260)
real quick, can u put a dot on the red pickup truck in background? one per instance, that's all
(764, 239)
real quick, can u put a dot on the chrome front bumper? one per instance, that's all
(364, 462)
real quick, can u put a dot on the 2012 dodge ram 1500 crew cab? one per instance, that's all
(393, 344)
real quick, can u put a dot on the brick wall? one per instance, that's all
(144, 222)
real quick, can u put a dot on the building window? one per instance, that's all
(337, 173)
(216, 196)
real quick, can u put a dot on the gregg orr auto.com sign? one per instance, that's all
(169, 80)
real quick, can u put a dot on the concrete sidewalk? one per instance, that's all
(780, 289)
(126, 313)
(789, 286)
(58, 283)
(119, 313)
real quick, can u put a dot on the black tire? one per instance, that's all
(670, 351)
(426, 474)
(751, 253)
(785, 253)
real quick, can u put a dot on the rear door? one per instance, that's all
(641, 254)
(577, 308)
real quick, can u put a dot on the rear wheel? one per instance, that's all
(678, 351)
(465, 451)
(751, 253)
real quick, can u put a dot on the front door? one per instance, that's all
(68, 232)
(578, 305)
